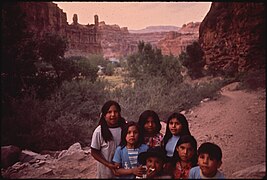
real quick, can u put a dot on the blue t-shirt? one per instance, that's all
(195, 173)
(170, 146)
(121, 156)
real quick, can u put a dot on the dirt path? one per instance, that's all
(237, 123)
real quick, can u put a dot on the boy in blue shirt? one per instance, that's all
(209, 161)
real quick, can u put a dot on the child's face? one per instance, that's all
(132, 135)
(175, 126)
(112, 116)
(154, 163)
(150, 125)
(208, 165)
(185, 151)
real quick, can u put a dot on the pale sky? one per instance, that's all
(136, 15)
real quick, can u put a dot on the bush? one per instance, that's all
(69, 116)
(158, 94)
(252, 80)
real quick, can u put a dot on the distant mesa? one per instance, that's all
(151, 29)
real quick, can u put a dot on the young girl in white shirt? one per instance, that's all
(105, 139)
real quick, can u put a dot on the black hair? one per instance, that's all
(213, 150)
(187, 139)
(124, 132)
(185, 128)
(145, 115)
(107, 136)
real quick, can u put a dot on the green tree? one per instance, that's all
(19, 52)
(149, 61)
(193, 60)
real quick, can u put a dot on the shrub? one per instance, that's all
(163, 97)
(252, 80)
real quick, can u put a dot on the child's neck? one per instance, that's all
(150, 134)
(184, 163)
(130, 146)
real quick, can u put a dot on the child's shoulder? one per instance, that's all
(144, 146)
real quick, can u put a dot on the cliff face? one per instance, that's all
(42, 17)
(47, 17)
(232, 36)
(175, 42)
(110, 40)
(115, 41)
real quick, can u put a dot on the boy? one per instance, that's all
(154, 159)
(209, 161)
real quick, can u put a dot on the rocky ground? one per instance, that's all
(236, 121)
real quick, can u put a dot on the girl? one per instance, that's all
(185, 156)
(150, 124)
(176, 127)
(106, 137)
(127, 152)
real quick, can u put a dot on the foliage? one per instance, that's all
(69, 116)
(18, 53)
(193, 60)
(162, 96)
(149, 61)
(79, 67)
(252, 80)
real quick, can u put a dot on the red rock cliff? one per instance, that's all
(232, 36)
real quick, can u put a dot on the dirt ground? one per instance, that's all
(237, 123)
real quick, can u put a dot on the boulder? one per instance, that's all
(9, 155)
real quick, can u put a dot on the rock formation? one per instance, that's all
(232, 36)
(47, 17)
(175, 42)
(109, 40)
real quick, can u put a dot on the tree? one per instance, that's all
(193, 60)
(19, 52)
(149, 61)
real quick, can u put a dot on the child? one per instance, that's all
(106, 137)
(185, 156)
(127, 152)
(154, 160)
(149, 123)
(176, 127)
(209, 160)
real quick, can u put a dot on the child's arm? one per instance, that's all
(138, 171)
(99, 157)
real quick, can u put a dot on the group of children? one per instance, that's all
(131, 149)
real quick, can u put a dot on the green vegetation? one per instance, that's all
(50, 102)
(192, 59)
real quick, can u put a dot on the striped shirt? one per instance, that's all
(133, 154)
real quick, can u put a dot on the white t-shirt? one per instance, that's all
(107, 149)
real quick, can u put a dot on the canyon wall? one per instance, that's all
(110, 40)
(233, 36)
(47, 17)
(175, 42)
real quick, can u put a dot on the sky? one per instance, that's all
(136, 15)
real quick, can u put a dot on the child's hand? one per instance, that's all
(139, 171)
(151, 172)
(113, 168)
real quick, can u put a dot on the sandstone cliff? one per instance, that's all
(232, 36)
(175, 42)
(47, 17)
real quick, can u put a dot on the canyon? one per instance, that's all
(232, 35)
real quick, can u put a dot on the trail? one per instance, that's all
(237, 123)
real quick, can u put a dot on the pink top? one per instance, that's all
(154, 141)
(181, 172)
